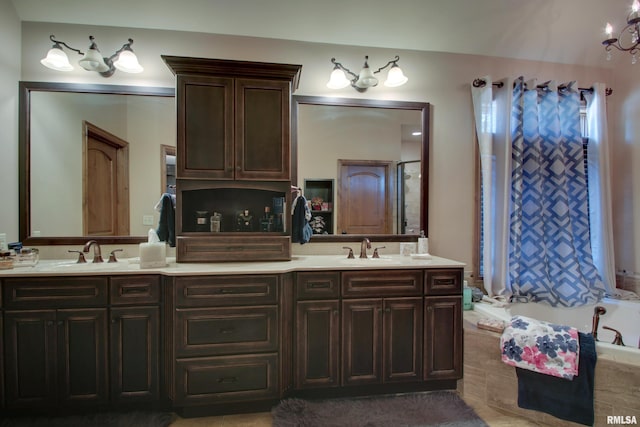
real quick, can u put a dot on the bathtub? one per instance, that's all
(621, 315)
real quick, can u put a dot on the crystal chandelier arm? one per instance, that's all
(58, 42)
(343, 68)
(392, 62)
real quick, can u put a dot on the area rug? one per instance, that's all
(106, 419)
(403, 410)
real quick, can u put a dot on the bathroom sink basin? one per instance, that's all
(370, 261)
(88, 266)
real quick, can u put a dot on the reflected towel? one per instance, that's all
(541, 347)
(167, 225)
(567, 400)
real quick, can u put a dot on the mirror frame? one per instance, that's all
(422, 107)
(24, 155)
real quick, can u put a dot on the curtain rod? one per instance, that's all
(481, 83)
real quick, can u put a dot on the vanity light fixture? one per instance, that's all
(124, 59)
(629, 38)
(366, 78)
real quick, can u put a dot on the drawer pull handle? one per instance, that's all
(136, 290)
(227, 380)
(444, 281)
(227, 330)
(226, 291)
(318, 285)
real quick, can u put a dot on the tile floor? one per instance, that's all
(492, 417)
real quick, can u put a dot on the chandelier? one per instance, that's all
(629, 38)
(366, 78)
(123, 59)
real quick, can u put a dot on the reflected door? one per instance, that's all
(105, 184)
(364, 197)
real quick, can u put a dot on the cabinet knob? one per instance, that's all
(50, 323)
(387, 310)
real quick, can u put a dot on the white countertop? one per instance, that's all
(68, 267)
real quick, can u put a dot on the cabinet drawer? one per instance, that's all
(443, 281)
(216, 331)
(135, 290)
(224, 379)
(317, 285)
(58, 292)
(235, 248)
(208, 291)
(381, 283)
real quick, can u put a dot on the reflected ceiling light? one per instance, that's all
(366, 78)
(124, 59)
(629, 38)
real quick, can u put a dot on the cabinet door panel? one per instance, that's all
(362, 341)
(205, 291)
(443, 337)
(205, 127)
(317, 344)
(403, 339)
(135, 352)
(30, 358)
(209, 380)
(207, 331)
(82, 356)
(262, 129)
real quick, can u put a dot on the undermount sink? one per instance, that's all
(88, 266)
(386, 260)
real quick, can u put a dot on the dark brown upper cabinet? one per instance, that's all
(233, 118)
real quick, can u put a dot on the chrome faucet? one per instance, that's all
(97, 253)
(366, 244)
(599, 310)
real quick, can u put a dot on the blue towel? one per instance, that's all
(570, 400)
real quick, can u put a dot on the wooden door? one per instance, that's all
(402, 339)
(443, 337)
(135, 352)
(205, 127)
(82, 356)
(364, 197)
(262, 130)
(317, 344)
(362, 341)
(30, 358)
(105, 183)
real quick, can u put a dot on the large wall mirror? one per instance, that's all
(364, 159)
(75, 142)
(57, 121)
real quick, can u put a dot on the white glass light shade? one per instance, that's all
(338, 79)
(395, 77)
(93, 61)
(128, 62)
(366, 78)
(56, 59)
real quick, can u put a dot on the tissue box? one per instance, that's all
(153, 255)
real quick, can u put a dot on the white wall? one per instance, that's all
(439, 78)
(10, 60)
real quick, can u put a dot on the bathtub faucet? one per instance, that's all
(618, 339)
(599, 310)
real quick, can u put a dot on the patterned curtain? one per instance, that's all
(549, 246)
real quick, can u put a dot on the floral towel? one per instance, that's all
(541, 347)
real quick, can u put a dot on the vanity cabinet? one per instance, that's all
(382, 326)
(317, 330)
(443, 324)
(377, 327)
(89, 341)
(135, 338)
(233, 140)
(226, 338)
(55, 336)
